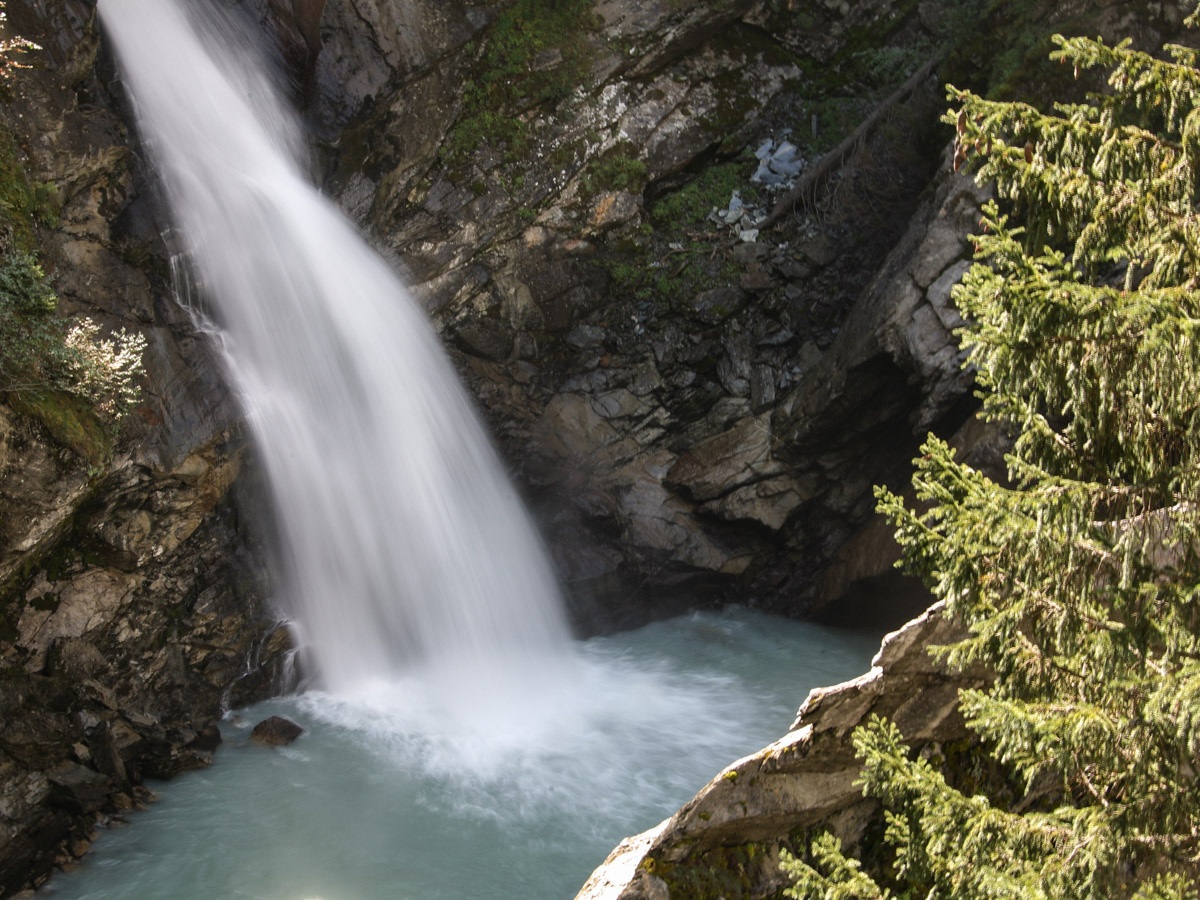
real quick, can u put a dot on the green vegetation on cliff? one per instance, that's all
(58, 370)
(1077, 577)
(536, 53)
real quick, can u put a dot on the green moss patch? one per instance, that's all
(536, 53)
(618, 169)
(689, 206)
(25, 203)
(70, 420)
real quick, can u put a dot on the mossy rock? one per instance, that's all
(537, 52)
(731, 872)
(70, 420)
(25, 204)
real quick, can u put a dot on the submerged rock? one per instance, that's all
(276, 731)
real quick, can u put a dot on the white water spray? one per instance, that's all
(404, 543)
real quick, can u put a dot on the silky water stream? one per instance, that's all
(457, 743)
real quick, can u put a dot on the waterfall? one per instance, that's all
(404, 545)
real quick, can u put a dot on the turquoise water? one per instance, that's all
(393, 794)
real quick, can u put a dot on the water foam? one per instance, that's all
(386, 795)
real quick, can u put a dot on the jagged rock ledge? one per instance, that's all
(726, 840)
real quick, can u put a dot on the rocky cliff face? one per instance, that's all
(725, 842)
(132, 592)
(696, 406)
(691, 405)
(693, 409)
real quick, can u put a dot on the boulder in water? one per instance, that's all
(276, 731)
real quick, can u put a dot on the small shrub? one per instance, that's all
(40, 351)
(64, 373)
(10, 49)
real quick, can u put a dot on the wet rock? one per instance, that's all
(105, 753)
(78, 789)
(207, 740)
(276, 732)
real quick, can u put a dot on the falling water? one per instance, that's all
(404, 543)
(416, 579)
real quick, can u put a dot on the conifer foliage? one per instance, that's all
(1078, 577)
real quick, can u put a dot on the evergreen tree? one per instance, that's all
(1078, 576)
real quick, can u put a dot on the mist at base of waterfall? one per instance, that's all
(389, 795)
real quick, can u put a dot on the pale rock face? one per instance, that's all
(85, 603)
(922, 323)
(767, 502)
(726, 461)
(813, 340)
(42, 487)
(805, 779)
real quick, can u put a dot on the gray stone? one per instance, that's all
(938, 294)
(77, 789)
(585, 336)
(714, 306)
(726, 461)
(276, 731)
(75, 658)
(734, 368)
(768, 502)
(762, 387)
(618, 404)
(818, 250)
